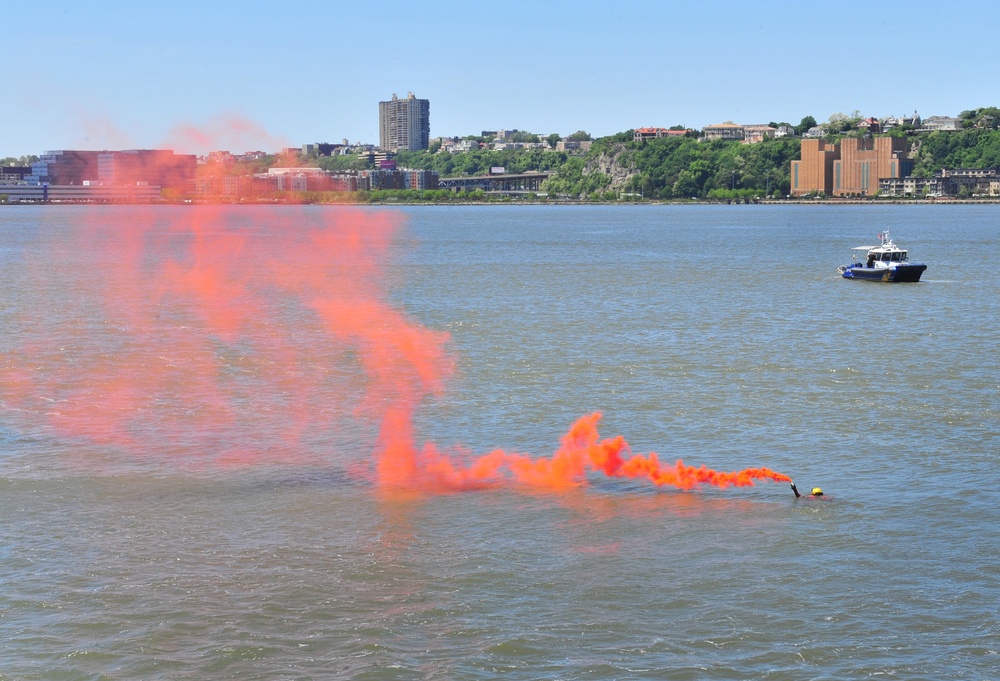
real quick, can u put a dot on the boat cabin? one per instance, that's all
(886, 254)
(876, 256)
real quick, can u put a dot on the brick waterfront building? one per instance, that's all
(814, 173)
(851, 167)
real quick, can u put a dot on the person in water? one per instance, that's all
(816, 492)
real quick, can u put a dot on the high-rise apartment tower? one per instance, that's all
(404, 124)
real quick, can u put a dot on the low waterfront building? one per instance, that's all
(397, 179)
(947, 182)
(908, 186)
(300, 170)
(420, 179)
(227, 187)
(344, 182)
(64, 167)
(146, 166)
(500, 184)
(159, 167)
(14, 174)
(80, 193)
(969, 181)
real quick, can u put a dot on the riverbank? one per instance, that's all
(535, 202)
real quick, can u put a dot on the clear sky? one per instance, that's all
(199, 75)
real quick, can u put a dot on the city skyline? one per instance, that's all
(111, 75)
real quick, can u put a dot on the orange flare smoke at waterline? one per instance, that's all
(581, 450)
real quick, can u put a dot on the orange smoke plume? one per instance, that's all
(206, 312)
(227, 331)
(581, 451)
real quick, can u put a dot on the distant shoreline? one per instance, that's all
(668, 202)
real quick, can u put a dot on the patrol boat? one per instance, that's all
(885, 262)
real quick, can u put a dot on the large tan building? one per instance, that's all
(851, 167)
(863, 161)
(814, 173)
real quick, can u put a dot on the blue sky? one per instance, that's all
(261, 75)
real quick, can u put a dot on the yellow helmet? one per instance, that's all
(817, 492)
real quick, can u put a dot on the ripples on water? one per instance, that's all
(722, 336)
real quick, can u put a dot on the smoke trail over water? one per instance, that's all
(221, 334)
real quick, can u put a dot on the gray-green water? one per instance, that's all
(722, 336)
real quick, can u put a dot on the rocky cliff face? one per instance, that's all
(617, 163)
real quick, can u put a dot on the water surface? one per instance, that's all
(722, 336)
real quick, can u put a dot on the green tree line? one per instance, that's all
(18, 160)
(687, 167)
(976, 148)
(680, 167)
